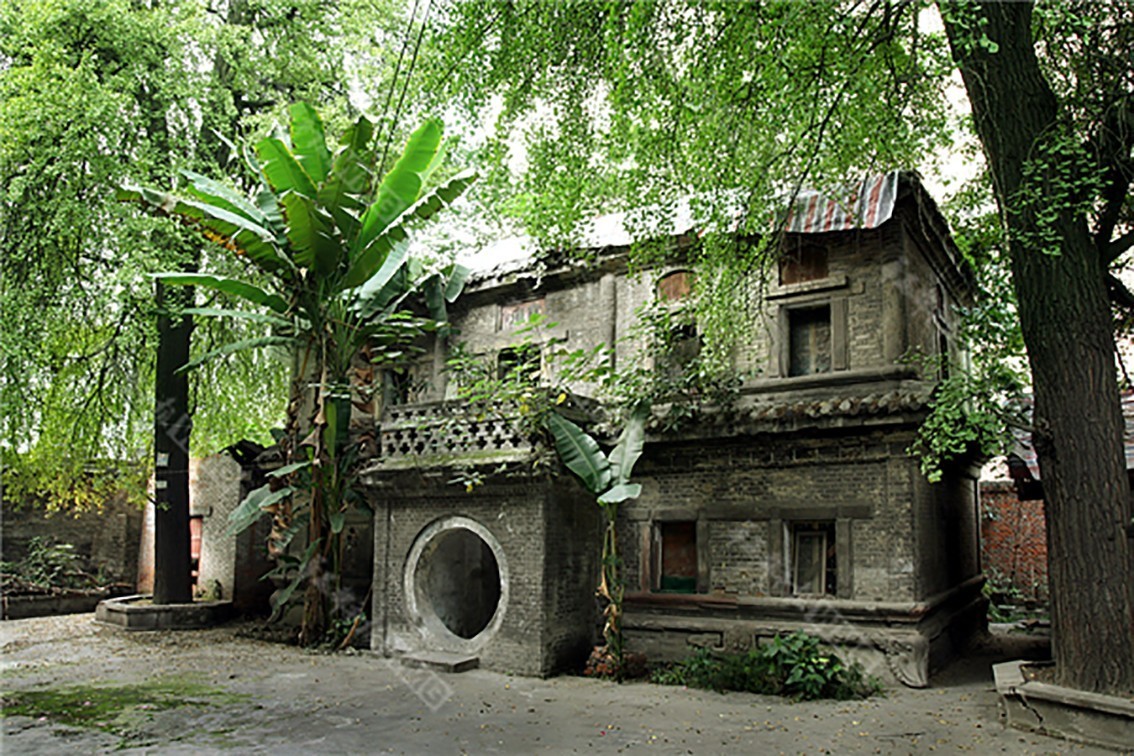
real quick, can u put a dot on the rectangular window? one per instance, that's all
(521, 313)
(522, 363)
(803, 262)
(809, 336)
(813, 559)
(678, 557)
(682, 349)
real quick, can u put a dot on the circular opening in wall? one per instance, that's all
(459, 578)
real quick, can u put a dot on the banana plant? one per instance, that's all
(330, 242)
(607, 478)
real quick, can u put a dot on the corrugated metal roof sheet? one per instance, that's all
(1023, 465)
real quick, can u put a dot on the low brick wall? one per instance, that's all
(1013, 540)
(106, 542)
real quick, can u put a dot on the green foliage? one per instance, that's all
(796, 666)
(48, 564)
(607, 478)
(336, 284)
(42, 480)
(726, 108)
(93, 92)
(979, 398)
(672, 369)
(518, 392)
(972, 413)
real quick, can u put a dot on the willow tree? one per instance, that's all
(93, 92)
(736, 104)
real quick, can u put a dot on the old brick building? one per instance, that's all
(797, 507)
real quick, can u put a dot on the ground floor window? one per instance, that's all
(814, 563)
(676, 552)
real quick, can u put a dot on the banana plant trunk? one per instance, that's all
(610, 587)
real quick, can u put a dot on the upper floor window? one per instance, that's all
(809, 340)
(682, 349)
(521, 313)
(524, 363)
(675, 286)
(803, 262)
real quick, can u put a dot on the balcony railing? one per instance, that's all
(432, 434)
(447, 430)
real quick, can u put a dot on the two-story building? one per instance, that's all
(797, 507)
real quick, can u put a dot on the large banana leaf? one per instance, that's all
(309, 142)
(252, 508)
(238, 288)
(621, 493)
(255, 317)
(401, 186)
(364, 263)
(217, 224)
(343, 193)
(433, 290)
(281, 170)
(309, 231)
(629, 448)
(368, 299)
(224, 197)
(580, 453)
(455, 277)
(238, 346)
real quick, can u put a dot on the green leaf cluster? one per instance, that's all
(796, 666)
(92, 93)
(329, 239)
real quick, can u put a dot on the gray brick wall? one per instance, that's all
(548, 618)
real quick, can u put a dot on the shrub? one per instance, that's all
(794, 665)
(48, 564)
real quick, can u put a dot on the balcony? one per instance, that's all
(440, 434)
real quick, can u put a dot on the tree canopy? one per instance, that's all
(640, 104)
(95, 93)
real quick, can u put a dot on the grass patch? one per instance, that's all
(113, 709)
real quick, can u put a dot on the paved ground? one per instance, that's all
(256, 697)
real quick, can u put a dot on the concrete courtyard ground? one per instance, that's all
(217, 691)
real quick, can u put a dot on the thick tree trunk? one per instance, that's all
(172, 579)
(1067, 327)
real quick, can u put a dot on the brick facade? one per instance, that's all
(799, 505)
(1013, 540)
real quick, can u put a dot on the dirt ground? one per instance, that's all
(215, 691)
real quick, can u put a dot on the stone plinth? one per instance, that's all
(136, 613)
(1077, 715)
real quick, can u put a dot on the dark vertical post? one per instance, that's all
(172, 580)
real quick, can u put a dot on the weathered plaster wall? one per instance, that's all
(214, 487)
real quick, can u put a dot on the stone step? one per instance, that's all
(441, 661)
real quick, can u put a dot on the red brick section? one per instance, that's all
(1013, 540)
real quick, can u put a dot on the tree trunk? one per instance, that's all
(172, 579)
(1068, 330)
